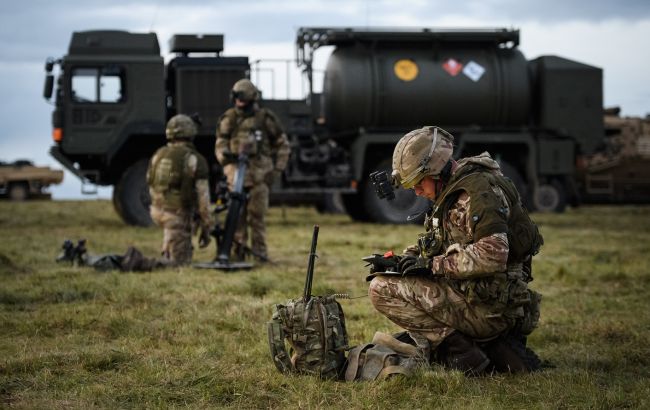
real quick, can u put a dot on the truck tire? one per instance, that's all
(550, 197)
(405, 208)
(18, 191)
(332, 203)
(131, 195)
(521, 185)
(354, 207)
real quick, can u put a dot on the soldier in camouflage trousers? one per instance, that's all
(464, 285)
(179, 189)
(258, 130)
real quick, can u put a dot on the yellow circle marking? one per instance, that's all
(406, 70)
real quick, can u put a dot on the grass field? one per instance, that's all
(71, 337)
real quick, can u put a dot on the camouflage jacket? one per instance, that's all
(259, 130)
(178, 179)
(469, 232)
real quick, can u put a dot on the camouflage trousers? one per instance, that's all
(433, 308)
(253, 216)
(177, 234)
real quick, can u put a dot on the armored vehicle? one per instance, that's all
(114, 93)
(619, 172)
(21, 180)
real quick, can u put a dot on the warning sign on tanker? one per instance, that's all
(452, 66)
(406, 70)
(474, 71)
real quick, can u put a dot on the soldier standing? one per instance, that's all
(179, 188)
(464, 285)
(259, 131)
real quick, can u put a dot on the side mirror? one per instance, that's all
(49, 86)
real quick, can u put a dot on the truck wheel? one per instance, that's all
(550, 197)
(516, 178)
(18, 191)
(131, 195)
(354, 207)
(406, 203)
(116, 202)
(332, 203)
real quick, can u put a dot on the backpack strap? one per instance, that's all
(276, 343)
(353, 361)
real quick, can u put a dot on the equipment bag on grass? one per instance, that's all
(315, 332)
(388, 355)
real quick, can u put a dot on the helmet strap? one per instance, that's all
(445, 174)
(425, 161)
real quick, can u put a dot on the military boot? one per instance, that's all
(509, 354)
(67, 252)
(459, 352)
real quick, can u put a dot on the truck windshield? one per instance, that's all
(97, 85)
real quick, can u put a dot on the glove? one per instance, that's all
(272, 176)
(229, 157)
(414, 265)
(204, 237)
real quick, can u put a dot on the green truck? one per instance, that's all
(113, 93)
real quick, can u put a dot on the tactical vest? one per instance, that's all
(316, 334)
(249, 129)
(524, 238)
(168, 176)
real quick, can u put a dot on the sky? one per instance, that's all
(612, 35)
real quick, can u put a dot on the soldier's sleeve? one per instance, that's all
(152, 161)
(483, 222)
(198, 167)
(224, 130)
(202, 188)
(279, 142)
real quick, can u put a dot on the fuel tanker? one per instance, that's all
(114, 92)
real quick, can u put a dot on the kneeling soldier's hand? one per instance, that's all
(414, 265)
(204, 237)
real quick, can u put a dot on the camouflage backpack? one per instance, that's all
(314, 328)
(316, 335)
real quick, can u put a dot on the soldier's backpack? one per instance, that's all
(314, 329)
(315, 332)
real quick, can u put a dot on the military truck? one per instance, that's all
(114, 93)
(21, 180)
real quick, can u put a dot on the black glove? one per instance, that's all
(204, 237)
(229, 157)
(414, 265)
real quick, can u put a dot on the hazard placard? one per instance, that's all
(452, 66)
(474, 71)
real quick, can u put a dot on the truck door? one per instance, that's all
(97, 100)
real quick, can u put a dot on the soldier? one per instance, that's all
(258, 130)
(179, 188)
(464, 286)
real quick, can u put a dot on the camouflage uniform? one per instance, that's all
(478, 284)
(179, 189)
(260, 132)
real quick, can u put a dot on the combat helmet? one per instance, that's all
(181, 126)
(244, 90)
(419, 153)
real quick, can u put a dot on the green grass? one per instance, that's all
(75, 338)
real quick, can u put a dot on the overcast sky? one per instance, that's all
(612, 35)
